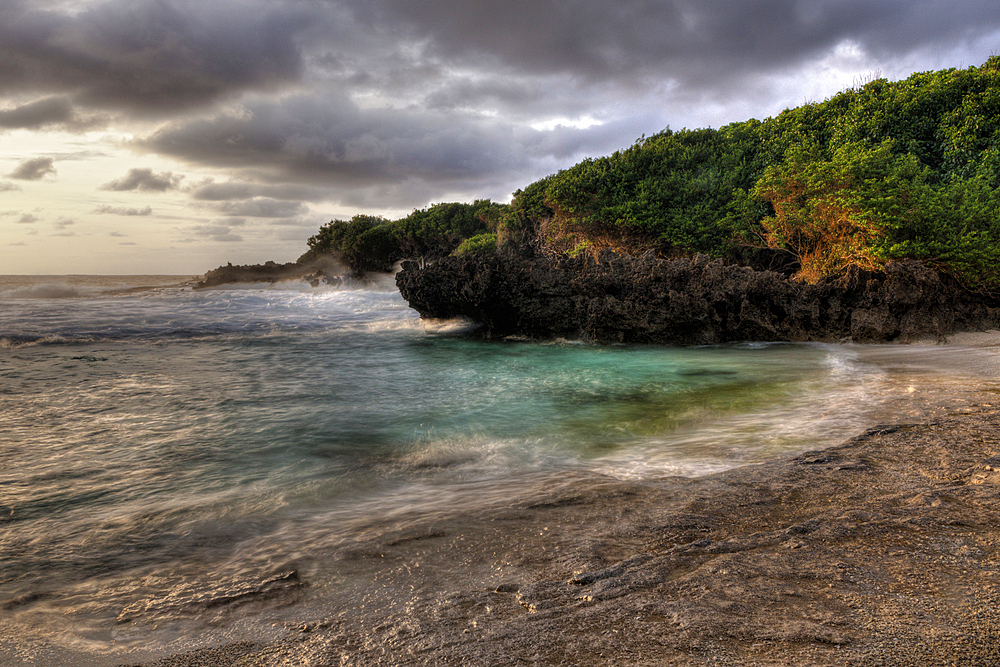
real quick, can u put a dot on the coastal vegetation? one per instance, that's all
(373, 243)
(879, 172)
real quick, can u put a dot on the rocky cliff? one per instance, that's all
(614, 298)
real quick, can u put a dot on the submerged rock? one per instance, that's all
(615, 298)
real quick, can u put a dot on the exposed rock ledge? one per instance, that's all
(271, 272)
(689, 301)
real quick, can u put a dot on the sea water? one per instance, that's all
(161, 446)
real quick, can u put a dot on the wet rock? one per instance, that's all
(315, 273)
(622, 299)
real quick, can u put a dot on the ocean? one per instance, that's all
(167, 455)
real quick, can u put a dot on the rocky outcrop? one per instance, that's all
(315, 273)
(614, 298)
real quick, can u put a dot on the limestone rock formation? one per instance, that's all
(615, 298)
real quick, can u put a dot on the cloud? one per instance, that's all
(150, 57)
(28, 219)
(373, 154)
(263, 207)
(144, 180)
(36, 114)
(696, 43)
(159, 58)
(54, 111)
(7, 186)
(121, 210)
(218, 233)
(34, 169)
(209, 190)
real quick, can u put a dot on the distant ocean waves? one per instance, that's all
(75, 286)
(57, 310)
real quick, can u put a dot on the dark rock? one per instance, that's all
(323, 271)
(622, 299)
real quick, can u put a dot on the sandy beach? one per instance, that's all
(880, 551)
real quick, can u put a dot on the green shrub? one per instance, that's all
(479, 243)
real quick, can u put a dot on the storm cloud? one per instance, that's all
(160, 57)
(149, 57)
(437, 96)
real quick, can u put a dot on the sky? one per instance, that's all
(174, 136)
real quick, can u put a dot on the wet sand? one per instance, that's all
(880, 551)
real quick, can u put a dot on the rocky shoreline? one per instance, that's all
(621, 299)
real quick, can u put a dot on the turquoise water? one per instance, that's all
(160, 438)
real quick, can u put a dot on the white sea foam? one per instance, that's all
(42, 291)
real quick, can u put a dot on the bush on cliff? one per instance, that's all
(373, 243)
(479, 243)
(888, 170)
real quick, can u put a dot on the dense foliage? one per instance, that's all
(373, 243)
(887, 170)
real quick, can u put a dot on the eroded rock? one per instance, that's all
(621, 299)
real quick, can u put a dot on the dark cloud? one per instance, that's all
(158, 57)
(150, 56)
(230, 190)
(144, 180)
(34, 169)
(47, 111)
(7, 186)
(122, 210)
(698, 43)
(367, 153)
(428, 97)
